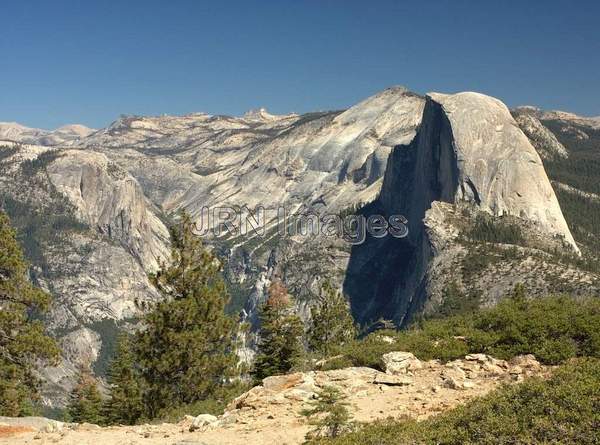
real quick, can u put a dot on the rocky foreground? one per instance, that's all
(270, 413)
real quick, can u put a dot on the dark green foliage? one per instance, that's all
(186, 352)
(583, 218)
(214, 405)
(31, 166)
(125, 404)
(183, 360)
(493, 230)
(562, 410)
(23, 343)
(332, 324)
(85, 401)
(280, 346)
(328, 414)
(553, 329)
(580, 170)
(109, 334)
(571, 139)
(38, 227)
(7, 152)
(456, 302)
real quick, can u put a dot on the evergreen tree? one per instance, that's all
(186, 351)
(519, 294)
(280, 337)
(124, 405)
(85, 401)
(23, 343)
(329, 414)
(456, 302)
(332, 323)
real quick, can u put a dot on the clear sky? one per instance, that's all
(90, 61)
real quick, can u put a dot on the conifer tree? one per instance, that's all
(328, 413)
(280, 345)
(85, 401)
(332, 323)
(186, 351)
(125, 405)
(23, 343)
(519, 293)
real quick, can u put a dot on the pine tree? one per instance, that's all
(23, 343)
(186, 352)
(329, 414)
(332, 323)
(519, 293)
(85, 401)
(125, 405)
(280, 345)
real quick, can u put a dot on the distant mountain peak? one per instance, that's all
(558, 115)
(261, 114)
(20, 133)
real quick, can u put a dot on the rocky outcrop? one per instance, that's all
(271, 412)
(398, 362)
(592, 123)
(499, 170)
(111, 200)
(542, 139)
(468, 151)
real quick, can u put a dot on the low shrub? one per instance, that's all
(564, 409)
(553, 329)
(214, 405)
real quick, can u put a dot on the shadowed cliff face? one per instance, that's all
(384, 276)
(468, 151)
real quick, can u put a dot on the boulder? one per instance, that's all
(203, 421)
(228, 418)
(280, 382)
(481, 358)
(452, 383)
(525, 361)
(399, 362)
(392, 380)
(493, 370)
(35, 423)
(54, 426)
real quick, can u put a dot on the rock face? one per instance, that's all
(499, 170)
(468, 151)
(110, 199)
(592, 123)
(333, 158)
(542, 139)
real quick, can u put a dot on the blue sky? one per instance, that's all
(90, 61)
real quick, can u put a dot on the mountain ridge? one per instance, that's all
(123, 184)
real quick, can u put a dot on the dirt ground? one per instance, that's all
(270, 414)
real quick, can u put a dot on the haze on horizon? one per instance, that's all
(69, 62)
